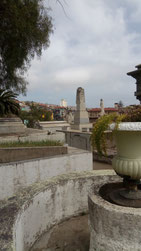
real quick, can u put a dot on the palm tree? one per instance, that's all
(8, 103)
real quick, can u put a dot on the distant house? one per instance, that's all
(23, 106)
(59, 112)
(63, 103)
(94, 113)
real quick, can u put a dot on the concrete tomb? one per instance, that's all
(11, 125)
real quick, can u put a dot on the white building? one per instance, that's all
(63, 102)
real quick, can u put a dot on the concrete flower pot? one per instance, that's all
(128, 141)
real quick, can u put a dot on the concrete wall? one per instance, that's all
(81, 140)
(30, 135)
(78, 139)
(63, 198)
(52, 126)
(25, 153)
(11, 125)
(17, 175)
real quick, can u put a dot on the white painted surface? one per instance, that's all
(52, 126)
(18, 175)
(127, 126)
(63, 103)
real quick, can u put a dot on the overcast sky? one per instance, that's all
(94, 44)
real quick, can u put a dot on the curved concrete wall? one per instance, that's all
(49, 208)
(18, 175)
(113, 227)
(64, 197)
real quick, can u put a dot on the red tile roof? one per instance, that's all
(105, 109)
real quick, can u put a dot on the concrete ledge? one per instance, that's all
(36, 209)
(11, 125)
(18, 175)
(24, 153)
(78, 139)
(54, 125)
(32, 135)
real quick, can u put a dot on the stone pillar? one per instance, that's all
(81, 115)
(102, 107)
(81, 118)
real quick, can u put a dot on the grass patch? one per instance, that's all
(31, 144)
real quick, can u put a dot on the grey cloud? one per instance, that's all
(92, 47)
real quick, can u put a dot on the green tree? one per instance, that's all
(34, 115)
(25, 26)
(8, 104)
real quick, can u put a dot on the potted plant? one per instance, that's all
(127, 133)
(102, 125)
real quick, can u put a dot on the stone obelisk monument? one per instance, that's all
(81, 118)
(102, 112)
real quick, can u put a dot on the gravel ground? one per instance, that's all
(99, 166)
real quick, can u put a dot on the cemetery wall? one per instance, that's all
(24, 153)
(18, 175)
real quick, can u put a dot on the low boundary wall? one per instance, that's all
(18, 175)
(82, 140)
(24, 153)
(33, 135)
(78, 139)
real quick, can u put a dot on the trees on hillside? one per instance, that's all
(25, 27)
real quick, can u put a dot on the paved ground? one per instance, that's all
(71, 235)
(100, 166)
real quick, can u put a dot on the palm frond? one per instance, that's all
(8, 102)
